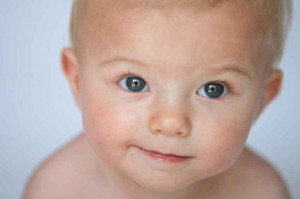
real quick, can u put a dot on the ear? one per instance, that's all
(70, 68)
(272, 88)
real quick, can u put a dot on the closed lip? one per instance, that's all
(165, 157)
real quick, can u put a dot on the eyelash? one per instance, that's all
(119, 77)
(228, 85)
(223, 82)
(126, 74)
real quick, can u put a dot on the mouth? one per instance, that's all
(168, 158)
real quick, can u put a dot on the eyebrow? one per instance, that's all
(231, 68)
(235, 69)
(122, 59)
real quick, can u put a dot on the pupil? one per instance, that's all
(135, 84)
(214, 90)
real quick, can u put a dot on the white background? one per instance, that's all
(38, 115)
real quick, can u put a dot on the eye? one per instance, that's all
(213, 90)
(134, 84)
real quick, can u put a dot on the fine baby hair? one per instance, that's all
(277, 15)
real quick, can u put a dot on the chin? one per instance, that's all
(165, 187)
(165, 184)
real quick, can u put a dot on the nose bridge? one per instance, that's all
(171, 119)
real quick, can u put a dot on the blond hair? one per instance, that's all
(277, 13)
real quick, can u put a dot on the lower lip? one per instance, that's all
(169, 158)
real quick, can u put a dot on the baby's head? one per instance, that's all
(159, 77)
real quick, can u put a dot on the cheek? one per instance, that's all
(222, 140)
(107, 125)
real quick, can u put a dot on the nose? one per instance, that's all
(170, 122)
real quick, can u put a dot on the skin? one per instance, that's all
(176, 51)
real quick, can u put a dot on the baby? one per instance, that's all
(168, 91)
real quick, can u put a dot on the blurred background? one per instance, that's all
(38, 115)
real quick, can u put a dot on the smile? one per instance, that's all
(168, 158)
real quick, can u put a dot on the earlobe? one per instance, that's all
(272, 88)
(70, 68)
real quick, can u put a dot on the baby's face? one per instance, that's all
(168, 95)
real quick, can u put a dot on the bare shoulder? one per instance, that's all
(60, 172)
(258, 178)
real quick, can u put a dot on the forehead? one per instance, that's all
(221, 30)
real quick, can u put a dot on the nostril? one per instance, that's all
(182, 133)
(158, 131)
